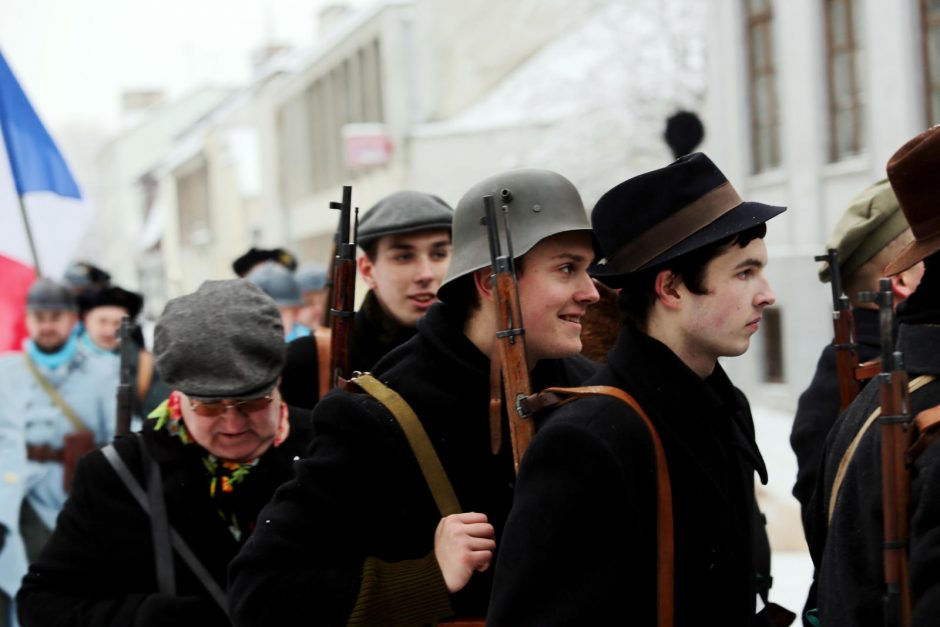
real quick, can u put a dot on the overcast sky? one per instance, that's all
(75, 57)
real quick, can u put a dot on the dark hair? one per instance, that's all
(463, 291)
(371, 248)
(639, 290)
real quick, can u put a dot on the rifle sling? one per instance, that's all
(418, 440)
(323, 338)
(54, 395)
(665, 563)
(161, 526)
(912, 387)
(927, 424)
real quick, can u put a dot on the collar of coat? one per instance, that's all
(680, 403)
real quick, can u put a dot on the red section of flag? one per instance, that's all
(15, 279)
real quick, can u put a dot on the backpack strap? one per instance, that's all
(418, 440)
(912, 387)
(665, 563)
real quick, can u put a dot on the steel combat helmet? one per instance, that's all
(541, 203)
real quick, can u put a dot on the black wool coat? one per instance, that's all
(850, 576)
(580, 543)
(374, 334)
(360, 503)
(98, 568)
(818, 406)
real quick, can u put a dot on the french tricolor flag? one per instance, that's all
(42, 213)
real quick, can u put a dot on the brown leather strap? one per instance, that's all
(323, 339)
(44, 453)
(665, 564)
(144, 374)
(867, 370)
(927, 424)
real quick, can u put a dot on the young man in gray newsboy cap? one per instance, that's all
(359, 537)
(220, 445)
(405, 247)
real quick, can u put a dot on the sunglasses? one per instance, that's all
(211, 409)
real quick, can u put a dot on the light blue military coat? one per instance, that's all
(29, 416)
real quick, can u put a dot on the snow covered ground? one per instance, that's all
(791, 567)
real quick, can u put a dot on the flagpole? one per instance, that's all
(29, 236)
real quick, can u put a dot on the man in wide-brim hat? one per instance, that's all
(846, 530)
(581, 543)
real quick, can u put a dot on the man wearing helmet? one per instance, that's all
(359, 536)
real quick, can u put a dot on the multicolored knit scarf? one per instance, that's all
(223, 475)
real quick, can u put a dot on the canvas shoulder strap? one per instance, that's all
(843, 467)
(665, 564)
(54, 395)
(418, 440)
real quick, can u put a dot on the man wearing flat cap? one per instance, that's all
(619, 519)
(154, 518)
(55, 404)
(867, 236)
(378, 530)
(847, 532)
(405, 241)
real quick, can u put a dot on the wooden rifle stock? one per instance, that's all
(843, 323)
(125, 390)
(342, 305)
(510, 334)
(896, 435)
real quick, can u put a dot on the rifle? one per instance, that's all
(510, 336)
(843, 323)
(896, 431)
(344, 288)
(125, 390)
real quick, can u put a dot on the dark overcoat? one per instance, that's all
(847, 552)
(98, 568)
(820, 403)
(580, 543)
(359, 503)
(374, 334)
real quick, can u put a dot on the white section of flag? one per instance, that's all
(57, 223)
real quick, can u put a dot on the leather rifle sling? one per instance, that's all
(843, 467)
(418, 440)
(323, 339)
(665, 532)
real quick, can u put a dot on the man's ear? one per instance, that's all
(365, 266)
(667, 288)
(483, 281)
(900, 286)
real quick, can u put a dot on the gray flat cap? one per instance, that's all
(225, 340)
(48, 295)
(311, 277)
(404, 212)
(277, 282)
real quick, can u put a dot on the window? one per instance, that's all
(930, 25)
(765, 120)
(843, 71)
(772, 329)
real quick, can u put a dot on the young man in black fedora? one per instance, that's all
(845, 524)
(581, 543)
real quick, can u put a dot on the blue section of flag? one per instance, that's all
(36, 162)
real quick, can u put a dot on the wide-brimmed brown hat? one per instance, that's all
(912, 171)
